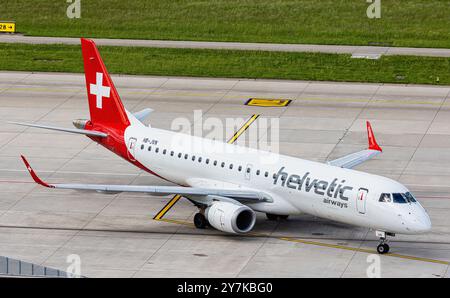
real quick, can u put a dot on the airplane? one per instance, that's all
(227, 188)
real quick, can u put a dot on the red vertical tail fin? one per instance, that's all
(105, 107)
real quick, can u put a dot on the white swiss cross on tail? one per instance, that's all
(99, 90)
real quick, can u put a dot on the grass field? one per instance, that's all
(416, 23)
(232, 64)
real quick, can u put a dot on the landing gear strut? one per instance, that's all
(383, 247)
(200, 221)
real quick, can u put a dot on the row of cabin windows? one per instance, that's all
(207, 161)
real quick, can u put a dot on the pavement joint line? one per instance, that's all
(354, 253)
(363, 108)
(148, 94)
(284, 109)
(258, 249)
(89, 221)
(22, 132)
(189, 94)
(328, 245)
(423, 136)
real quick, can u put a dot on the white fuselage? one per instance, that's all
(295, 185)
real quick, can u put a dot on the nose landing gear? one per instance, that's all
(383, 247)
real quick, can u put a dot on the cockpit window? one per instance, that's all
(403, 198)
(399, 198)
(385, 197)
(410, 197)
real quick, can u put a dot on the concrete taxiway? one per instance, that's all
(115, 235)
(217, 45)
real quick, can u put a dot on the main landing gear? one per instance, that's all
(200, 221)
(383, 247)
(276, 216)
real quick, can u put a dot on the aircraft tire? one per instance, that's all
(200, 221)
(383, 248)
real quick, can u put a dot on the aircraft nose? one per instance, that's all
(422, 224)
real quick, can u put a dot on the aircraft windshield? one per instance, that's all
(403, 198)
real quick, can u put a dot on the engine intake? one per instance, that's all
(231, 218)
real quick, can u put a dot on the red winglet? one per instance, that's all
(372, 141)
(33, 174)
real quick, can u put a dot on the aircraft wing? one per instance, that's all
(238, 195)
(357, 158)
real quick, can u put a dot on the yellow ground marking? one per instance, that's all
(243, 129)
(167, 207)
(179, 222)
(322, 244)
(176, 198)
(266, 102)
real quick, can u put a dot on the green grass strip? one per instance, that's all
(231, 64)
(413, 23)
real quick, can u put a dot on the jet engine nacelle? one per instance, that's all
(230, 218)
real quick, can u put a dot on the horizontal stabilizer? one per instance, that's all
(142, 115)
(91, 133)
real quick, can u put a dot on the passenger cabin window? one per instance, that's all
(207, 161)
(157, 150)
(164, 151)
(149, 148)
(199, 159)
(231, 166)
(222, 165)
(240, 168)
(385, 197)
(179, 155)
(142, 146)
(248, 170)
(193, 157)
(171, 153)
(185, 156)
(215, 163)
(266, 174)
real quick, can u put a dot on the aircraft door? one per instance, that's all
(132, 149)
(361, 200)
